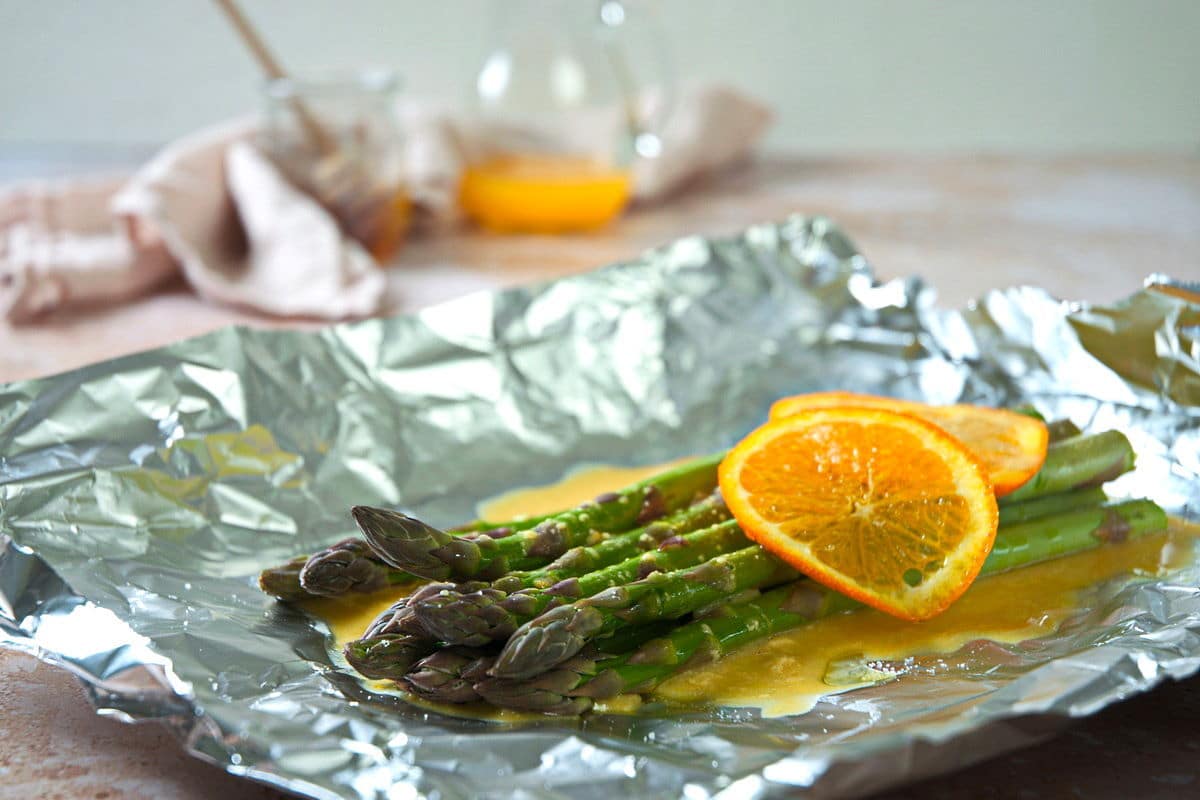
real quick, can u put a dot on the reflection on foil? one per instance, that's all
(152, 488)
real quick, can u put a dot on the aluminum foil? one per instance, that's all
(139, 498)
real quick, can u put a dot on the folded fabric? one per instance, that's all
(213, 209)
(209, 206)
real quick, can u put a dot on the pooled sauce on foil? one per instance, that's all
(577, 486)
(788, 673)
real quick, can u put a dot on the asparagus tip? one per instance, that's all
(546, 642)
(470, 618)
(410, 544)
(449, 675)
(348, 566)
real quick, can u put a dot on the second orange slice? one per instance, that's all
(1011, 446)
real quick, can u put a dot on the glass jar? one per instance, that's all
(338, 140)
(557, 119)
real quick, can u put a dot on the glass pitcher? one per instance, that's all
(557, 115)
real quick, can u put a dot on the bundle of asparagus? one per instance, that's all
(617, 595)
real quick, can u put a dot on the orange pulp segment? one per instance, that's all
(884, 507)
(1011, 446)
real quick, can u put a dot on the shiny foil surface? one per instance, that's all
(140, 497)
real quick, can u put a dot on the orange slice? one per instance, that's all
(884, 507)
(1011, 446)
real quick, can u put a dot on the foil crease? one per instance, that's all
(139, 497)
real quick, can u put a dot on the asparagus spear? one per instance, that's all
(283, 581)
(399, 617)
(387, 657)
(351, 566)
(489, 614)
(449, 675)
(617, 548)
(394, 640)
(346, 566)
(1051, 504)
(1072, 532)
(411, 545)
(562, 632)
(1078, 463)
(572, 686)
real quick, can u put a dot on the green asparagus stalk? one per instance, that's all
(351, 566)
(1072, 532)
(1051, 504)
(562, 632)
(618, 547)
(575, 684)
(1078, 463)
(489, 614)
(411, 545)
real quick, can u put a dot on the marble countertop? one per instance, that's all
(1086, 227)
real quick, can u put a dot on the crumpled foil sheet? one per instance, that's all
(139, 498)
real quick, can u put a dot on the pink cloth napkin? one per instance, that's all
(212, 209)
(209, 207)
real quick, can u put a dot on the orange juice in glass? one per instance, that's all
(557, 119)
(543, 193)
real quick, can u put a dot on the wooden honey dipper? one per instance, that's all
(339, 182)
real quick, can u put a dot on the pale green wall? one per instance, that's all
(859, 74)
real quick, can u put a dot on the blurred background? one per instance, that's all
(857, 75)
(1039, 142)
